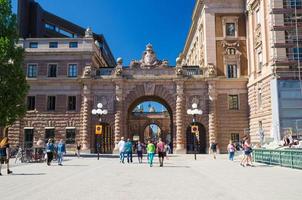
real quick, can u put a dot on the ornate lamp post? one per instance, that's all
(99, 112)
(194, 129)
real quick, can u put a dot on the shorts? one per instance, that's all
(3, 160)
(139, 153)
(247, 153)
(161, 154)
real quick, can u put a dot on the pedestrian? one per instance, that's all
(151, 152)
(4, 154)
(214, 149)
(128, 150)
(247, 159)
(160, 148)
(19, 154)
(78, 149)
(61, 150)
(168, 150)
(139, 151)
(231, 149)
(121, 148)
(49, 151)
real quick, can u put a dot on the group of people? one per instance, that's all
(59, 149)
(126, 148)
(245, 147)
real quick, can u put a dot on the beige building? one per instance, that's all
(217, 44)
(275, 53)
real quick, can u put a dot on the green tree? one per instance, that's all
(13, 85)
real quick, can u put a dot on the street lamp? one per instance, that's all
(99, 112)
(194, 129)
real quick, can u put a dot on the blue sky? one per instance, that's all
(129, 25)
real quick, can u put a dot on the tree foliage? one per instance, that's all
(13, 85)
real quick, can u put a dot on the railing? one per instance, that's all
(284, 158)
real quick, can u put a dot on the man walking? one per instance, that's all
(61, 149)
(160, 148)
(128, 150)
(151, 152)
(4, 154)
(121, 148)
(49, 151)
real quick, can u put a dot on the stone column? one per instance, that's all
(118, 116)
(85, 113)
(180, 146)
(212, 112)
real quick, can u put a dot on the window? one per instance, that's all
(72, 70)
(296, 4)
(53, 45)
(49, 134)
(50, 27)
(33, 45)
(230, 29)
(259, 97)
(52, 70)
(70, 136)
(258, 17)
(233, 102)
(231, 51)
(72, 102)
(297, 53)
(28, 138)
(235, 137)
(260, 61)
(51, 103)
(73, 45)
(232, 71)
(32, 71)
(31, 102)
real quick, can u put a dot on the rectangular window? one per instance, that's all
(31, 103)
(260, 61)
(31, 70)
(297, 53)
(73, 45)
(49, 134)
(51, 103)
(235, 137)
(70, 136)
(28, 138)
(72, 102)
(33, 45)
(53, 44)
(52, 70)
(233, 102)
(232, 71)
(230, 29)
(72, 70)
(259, 97)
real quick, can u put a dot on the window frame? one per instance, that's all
(29, 105)
(68, 67)
(231, 104)
(74, 108)
(30, 45)
(49, 107)
(36, 70)
(227, 70)
(228, 20)
(53, 134)
(73, 47)
(74, 134)
(235, 135)
(53, 47)
(48, 70)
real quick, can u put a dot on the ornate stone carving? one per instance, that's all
(119, 67)
(149, 88)
(178, 68)
(87, 71)
(88, 32)
(211, 71)
(148, 61)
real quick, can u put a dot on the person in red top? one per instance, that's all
(160, 148)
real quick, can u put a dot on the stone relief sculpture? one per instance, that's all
(149, 60)
(87, 72)
(211, 71)
(119, 67)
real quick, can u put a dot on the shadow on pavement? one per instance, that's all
(28, 174)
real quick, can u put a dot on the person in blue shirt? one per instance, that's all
(128, 150)
(49, 151)
(61, 150)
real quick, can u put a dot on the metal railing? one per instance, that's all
(284, 158)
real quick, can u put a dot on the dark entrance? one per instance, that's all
(28, 138)
(106, 139)
(202, 144)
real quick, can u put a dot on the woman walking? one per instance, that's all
(49, 151)
(231, 150)
(151, 152)
(61, 149)
(4, 154)
(139, 151)
(79, 146)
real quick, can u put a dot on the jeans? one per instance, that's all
(129, 156)
(231, 155)
(60, 157)
(122, 157)
(49, 157)
(150, 160)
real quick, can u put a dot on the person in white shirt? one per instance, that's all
(121, 148)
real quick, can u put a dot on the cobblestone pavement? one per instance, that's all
(180, 178)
